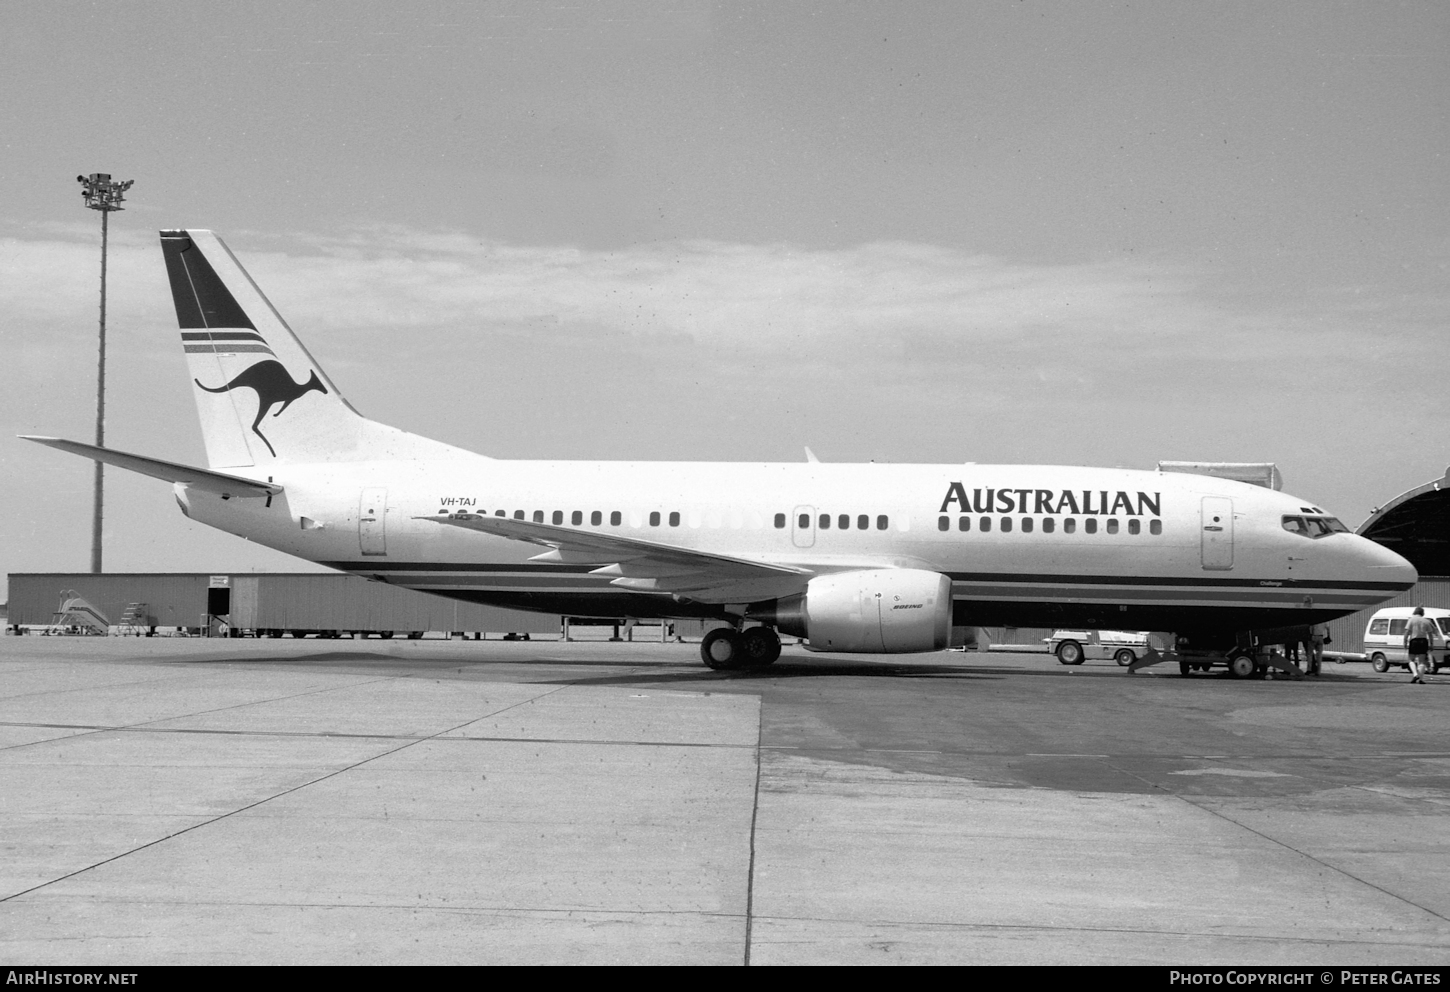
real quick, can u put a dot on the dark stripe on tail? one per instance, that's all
(201, 298)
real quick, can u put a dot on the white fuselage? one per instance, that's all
(1044, 545)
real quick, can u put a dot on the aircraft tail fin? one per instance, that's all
(261, 396)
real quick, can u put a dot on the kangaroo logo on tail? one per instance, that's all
(273, 384)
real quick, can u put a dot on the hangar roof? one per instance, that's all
(1417, 525)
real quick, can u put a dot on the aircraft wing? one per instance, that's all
(645, 565)
(196, 478)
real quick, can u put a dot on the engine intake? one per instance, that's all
(871, 611)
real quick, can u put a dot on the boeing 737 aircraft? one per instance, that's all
(858, 558)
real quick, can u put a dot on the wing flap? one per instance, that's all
(194, 478)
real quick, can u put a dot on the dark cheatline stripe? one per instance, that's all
(1153, 580)
(1003, 578)
(221, 336)
(225, 348)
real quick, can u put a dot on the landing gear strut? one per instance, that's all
(726, 649)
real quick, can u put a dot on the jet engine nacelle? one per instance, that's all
(872, 611)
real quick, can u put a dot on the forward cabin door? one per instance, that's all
(1217, 546)
(372, 511)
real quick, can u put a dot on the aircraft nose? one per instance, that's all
(1380, 564)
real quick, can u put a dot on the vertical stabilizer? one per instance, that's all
(261, 397)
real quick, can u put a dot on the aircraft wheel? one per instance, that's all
(1070, 653)
(386, 635)
(1379, 662)
(298, 633)
(723, 649)
(1124, 657)
(1184, 668)
(1242, 666)
(761, 646)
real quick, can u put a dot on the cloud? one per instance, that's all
(915, 304)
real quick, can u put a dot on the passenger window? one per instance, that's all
(984, 525)
(1113, 526)
(863, 522)
(615, 518)
(825, 521)
(576, 518)
(1006, 525)
(558, 516)
(654, 518)
(1444, 625)
(943, 523)
(596, 518)
(1155, 526)
(1090, 525)
(500, 513)
(964, 523)
(804, 523)
(882, 522)
(1397, 628)
(1048, 525)
(1380, 626)
(1134, 526)
(1069, 526)
(538, 516)
(518, 514)
(843, 522)
(780, 521)
(675, 518)
(1027, 525)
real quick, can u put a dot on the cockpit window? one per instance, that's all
(1312, 527)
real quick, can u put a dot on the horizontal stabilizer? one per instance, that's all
(195, 478)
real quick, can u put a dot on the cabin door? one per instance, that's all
(1217, 544)
(372, 511)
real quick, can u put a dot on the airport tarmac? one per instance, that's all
(262, 801)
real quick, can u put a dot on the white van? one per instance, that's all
(1384, 637)
(1073, 647)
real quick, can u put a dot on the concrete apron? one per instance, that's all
(350, 819)
(198, 813)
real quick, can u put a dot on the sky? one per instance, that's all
(1071, 233)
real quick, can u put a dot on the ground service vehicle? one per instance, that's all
(1073, 647)
(1384, 637)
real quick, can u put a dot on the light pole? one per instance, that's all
(104, 195)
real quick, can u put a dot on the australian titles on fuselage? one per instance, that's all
(1043, 502)
(843, 555)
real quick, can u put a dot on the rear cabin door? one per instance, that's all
(1217, 546)
(372, 511)
(803, 526)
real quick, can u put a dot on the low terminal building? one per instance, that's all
(263, 604)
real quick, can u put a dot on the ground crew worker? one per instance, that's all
(1419, 635)
(1318, 637)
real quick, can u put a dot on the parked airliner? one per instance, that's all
(871, 558)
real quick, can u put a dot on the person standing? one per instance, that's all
(1318, 637)
(1419, 636)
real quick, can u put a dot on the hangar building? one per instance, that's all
(1415, 524)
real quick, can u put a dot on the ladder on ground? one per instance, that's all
(134, 621)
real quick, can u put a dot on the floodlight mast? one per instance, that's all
(101, 194)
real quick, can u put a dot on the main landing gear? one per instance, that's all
(727, 649)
